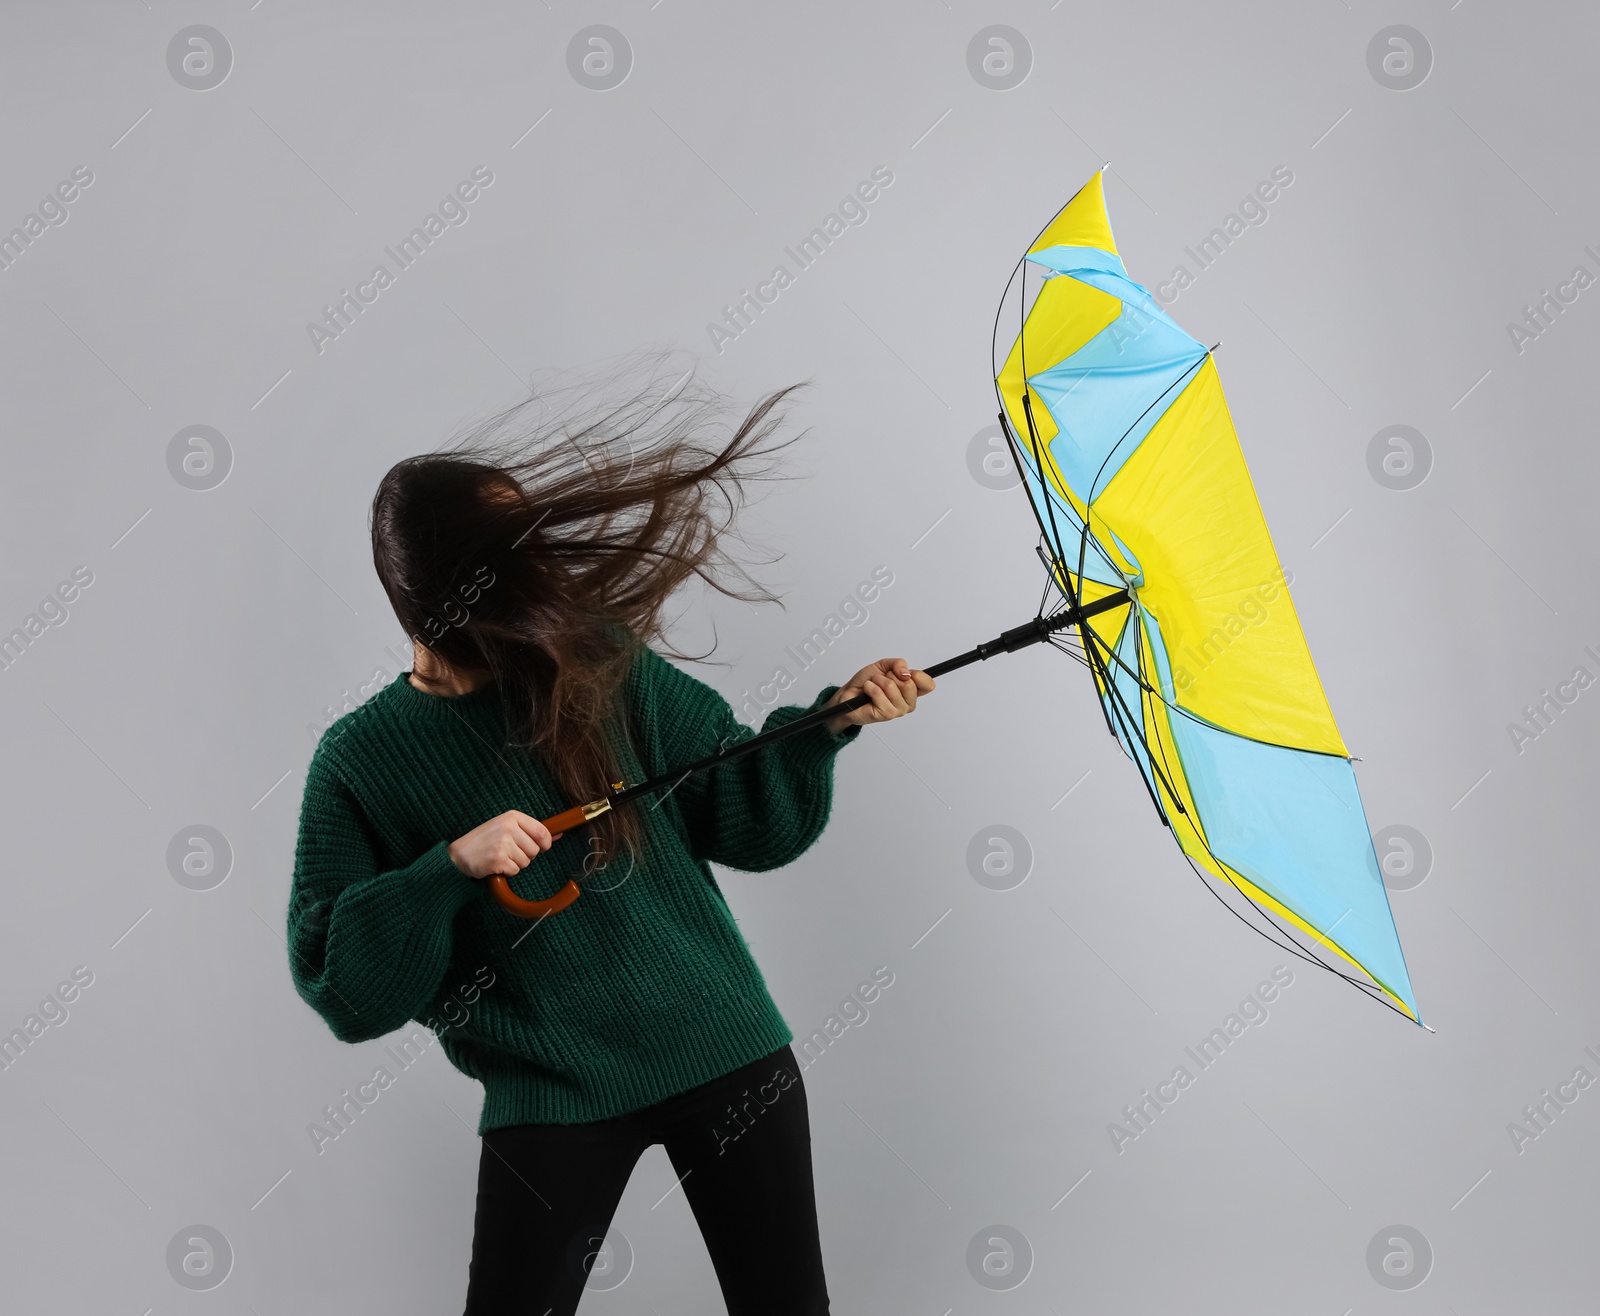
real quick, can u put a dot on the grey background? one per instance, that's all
(220, 624)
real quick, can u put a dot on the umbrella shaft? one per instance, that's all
(1019, 637)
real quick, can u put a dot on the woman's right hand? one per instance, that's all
(504, 845)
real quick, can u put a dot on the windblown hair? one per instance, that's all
(542, 548)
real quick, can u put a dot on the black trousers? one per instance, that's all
(741, 1148)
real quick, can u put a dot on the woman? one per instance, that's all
(531, 567)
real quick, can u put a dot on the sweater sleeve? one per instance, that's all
(367, 949)
(758, 812)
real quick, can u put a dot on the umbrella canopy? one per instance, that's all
(1118, 423)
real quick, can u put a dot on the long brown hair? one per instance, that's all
(542, 547)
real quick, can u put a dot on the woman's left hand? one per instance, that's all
(894, 688)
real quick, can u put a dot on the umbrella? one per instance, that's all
(1117, 422)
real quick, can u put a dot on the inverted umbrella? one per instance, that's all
(1154, 540)
(1117, 422)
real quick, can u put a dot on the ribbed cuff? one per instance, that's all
(437, 888)
(850, 732)
(818, 744)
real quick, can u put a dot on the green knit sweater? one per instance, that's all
(632, 994)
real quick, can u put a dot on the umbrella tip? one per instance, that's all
(1214, 346)
(1105, 166)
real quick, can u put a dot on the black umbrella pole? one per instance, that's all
(1020, 637)
(1040, 628)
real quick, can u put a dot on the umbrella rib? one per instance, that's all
(1055, 537)
(1027, 411)
(1124, 716)
(1022, 263)
(1293, 948)
(1049, 579)
(1173, 706)
(1270, 925)
(1091, 645)
(1310, 956)
(1125, 719)
(1090, 495)
(1242, 735)
(1052, 535)
(1188, 369)
(1137, 677)
(1163, 776)
(1264, 915)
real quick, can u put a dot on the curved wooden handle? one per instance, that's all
(512, 903)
